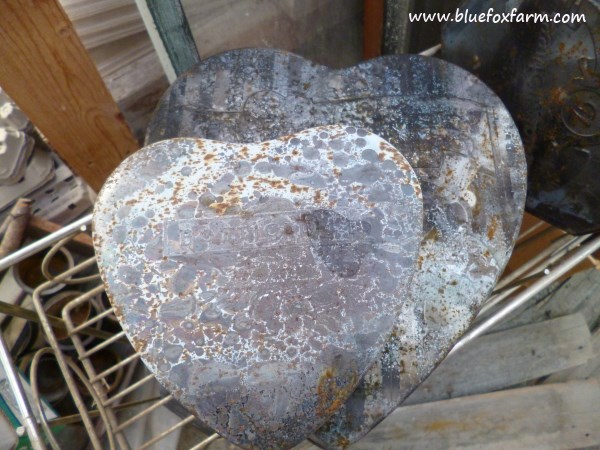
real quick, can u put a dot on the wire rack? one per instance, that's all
(104, 413)
(102, 410)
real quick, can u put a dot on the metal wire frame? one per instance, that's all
(512, 292)
(106, 405)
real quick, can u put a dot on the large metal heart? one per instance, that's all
(452, 129)
(260, 281)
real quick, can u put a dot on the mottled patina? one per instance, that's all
(259, 282)
(456, 134)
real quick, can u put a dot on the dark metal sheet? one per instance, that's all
(452, 129)
(549, 77)
(260, 281)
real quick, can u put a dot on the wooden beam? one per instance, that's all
(500, 360)
(47, 72)
(170, 33)
(579, 294)
(396, 32)
(564, 415)
(582, 372)
(373, 28)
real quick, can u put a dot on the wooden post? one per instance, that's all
(373, 28)
(171, 36)
(47, 72)
(396, 32)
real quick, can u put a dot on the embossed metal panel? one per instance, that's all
(455, 133)
(548, 75)
(260, 281)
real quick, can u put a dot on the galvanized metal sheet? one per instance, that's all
(260, 281)
(548, 75)
(452, 129)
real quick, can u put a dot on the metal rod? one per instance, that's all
(527, 239)
(56, 322)
(165, 433)
(431, 51)
(533, 262)
(129, 389)
(92, 321)
(61, 359)
(116, 367)
(531, 230)
(45, 242)
(521, 298)
(76, 418)
(29, 420)
(103, 344)
(507, 286)
(203, 444)
(111, 423)
(145, 412)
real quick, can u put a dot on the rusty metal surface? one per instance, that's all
(549, 77)
(260, 281)
(452, 129)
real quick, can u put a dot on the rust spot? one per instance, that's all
(343, 442)
(258, 157)
(330, 395)
(295, 189)
(138, 344)
(432, 235)
(276, 183)
(491, 232)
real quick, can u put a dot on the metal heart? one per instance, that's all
(455, 133)
(548, 75)
(260, 281)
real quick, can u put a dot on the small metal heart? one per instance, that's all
(456, 134)
(260, 281)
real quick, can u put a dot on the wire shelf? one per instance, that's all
(105, 411)
(104, 416)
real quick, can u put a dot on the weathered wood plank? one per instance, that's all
(47, 72)
(325, 31)
(583, 371)
(374, 15)
(396, 35)
(580, 293)
(499, 360)
(170, 32)
(554, 416)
